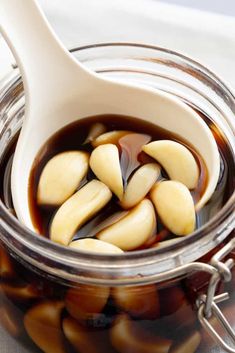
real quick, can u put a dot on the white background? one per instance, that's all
(226, 7)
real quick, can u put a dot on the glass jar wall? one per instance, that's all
(54, 299)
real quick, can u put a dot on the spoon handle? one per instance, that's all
(40, 56)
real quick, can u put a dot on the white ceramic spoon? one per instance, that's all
(59, 90)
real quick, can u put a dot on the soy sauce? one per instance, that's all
(26, 290)
(73, 136)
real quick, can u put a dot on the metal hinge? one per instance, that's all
(207, 304)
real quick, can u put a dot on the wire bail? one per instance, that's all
(207, 304)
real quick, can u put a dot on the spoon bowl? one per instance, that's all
(59, 91)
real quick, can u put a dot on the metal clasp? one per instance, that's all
(207, 304)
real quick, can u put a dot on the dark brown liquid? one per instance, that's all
(161, 313)
(72, 137)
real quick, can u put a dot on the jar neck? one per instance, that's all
(137, 267)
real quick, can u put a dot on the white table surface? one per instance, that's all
(207, 36)
(226, 7)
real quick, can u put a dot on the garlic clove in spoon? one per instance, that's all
(61, 176)
(110, 137)
(140, 184)
(95, 131)
(78, 209)
(134, 229)
(105, 164)
(95, 246)
(176, 159)
(175, 206)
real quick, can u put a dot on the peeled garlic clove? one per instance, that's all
(96, 130)
(139, 301)
(6, 266)
(78, 336)
(110, 137)
(184, 317)
(43, 325)
(96, 224)
(96, 246)
(134, 229)
(172, 300)
(188, 345)
(104, 162)
(86, 301)
(175, 207)
(126, 336)
(140, 184)
(176, 159)
(24, 293)
(11, 320)
(78, 209)
(61, 176)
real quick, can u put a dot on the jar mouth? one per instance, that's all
(30, 247)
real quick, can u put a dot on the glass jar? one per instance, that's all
(54, 299)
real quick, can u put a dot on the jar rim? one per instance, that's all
(32, 245)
